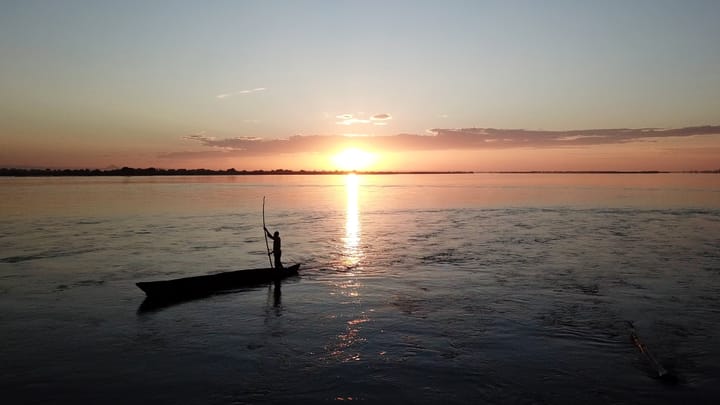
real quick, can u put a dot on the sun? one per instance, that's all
(353, 159)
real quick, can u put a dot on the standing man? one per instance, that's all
(277, 248)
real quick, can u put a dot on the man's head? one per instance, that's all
(276, 234)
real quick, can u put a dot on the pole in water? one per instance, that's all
(662, 373)
(267, 246)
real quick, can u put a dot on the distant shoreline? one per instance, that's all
(128, 171)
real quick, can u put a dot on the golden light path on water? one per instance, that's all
(352, 252)
(345, 348)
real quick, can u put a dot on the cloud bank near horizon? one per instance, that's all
(437, 139)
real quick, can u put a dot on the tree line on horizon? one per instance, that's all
(152, 171)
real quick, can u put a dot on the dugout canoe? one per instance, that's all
(203, 285)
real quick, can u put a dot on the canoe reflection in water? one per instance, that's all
(168, 292)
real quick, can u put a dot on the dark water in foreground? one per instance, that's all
(417, 289)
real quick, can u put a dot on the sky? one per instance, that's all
(375, 85)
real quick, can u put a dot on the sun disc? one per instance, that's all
(353, 159)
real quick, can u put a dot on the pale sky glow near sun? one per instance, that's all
(361, 85)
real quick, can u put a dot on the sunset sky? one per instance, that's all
(378, 85)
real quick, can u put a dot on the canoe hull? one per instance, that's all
(207, 284)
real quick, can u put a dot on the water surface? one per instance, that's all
(453, 288)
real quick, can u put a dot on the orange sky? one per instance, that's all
(454, 85)
(695, 152)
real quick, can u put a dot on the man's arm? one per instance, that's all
(270, 235)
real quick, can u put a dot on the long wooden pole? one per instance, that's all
(265, 234)
(662, 373)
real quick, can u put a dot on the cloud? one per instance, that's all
(198, 136)
(476, 137)
(381, 117)
(240, 92)
(353, 121)
(437, 139)
(349, 119)
(236, 143)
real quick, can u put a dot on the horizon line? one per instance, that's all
(152, 171)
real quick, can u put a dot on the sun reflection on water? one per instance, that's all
(346, 347)
(351, 242)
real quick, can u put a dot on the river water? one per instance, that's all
(472, 288)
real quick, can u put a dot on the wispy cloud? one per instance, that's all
(380, 119)
(438, 139)
(240, 92)
(351, 119)
(199, 136)
(477, 137)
